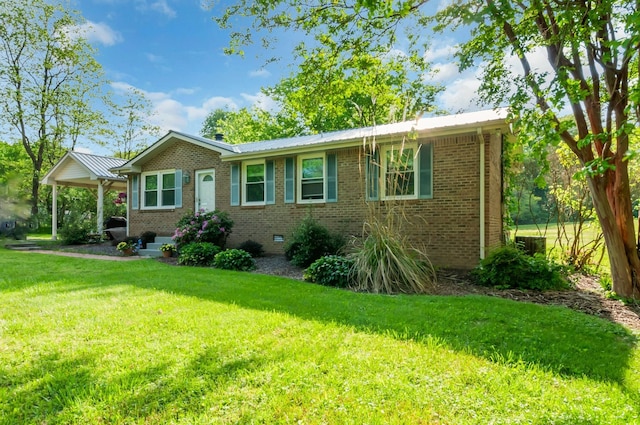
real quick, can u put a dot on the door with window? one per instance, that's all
(206, 190)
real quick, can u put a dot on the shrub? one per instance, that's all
(235, 259)
(387, 263)
(201, 226)
(252, 247)
(509, 267)
(75, 230)
(147, 237)
(198, 254)
(331, 270)
(311, 240)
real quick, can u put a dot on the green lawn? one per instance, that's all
(141, 342)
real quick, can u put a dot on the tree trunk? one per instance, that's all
(35, 193)
(623, 258)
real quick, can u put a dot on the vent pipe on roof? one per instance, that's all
(219, 136)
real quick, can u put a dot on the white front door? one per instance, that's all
(206, 190)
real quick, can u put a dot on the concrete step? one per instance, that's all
(153, 248)
(149, 252)
(22, 246)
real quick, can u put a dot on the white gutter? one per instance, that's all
(482, 201)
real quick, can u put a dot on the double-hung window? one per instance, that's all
(159, 189)
(400, 172)
(254, 183)
(311, 182)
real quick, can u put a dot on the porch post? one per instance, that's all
(54, 211)
(100, 208)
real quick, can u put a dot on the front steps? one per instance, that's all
(153, 248)
(22, 246)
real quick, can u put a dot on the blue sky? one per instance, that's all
(173, 52)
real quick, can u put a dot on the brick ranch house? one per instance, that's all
(447, 172)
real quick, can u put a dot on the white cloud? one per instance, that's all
(460, 94)
(443, 72)
(440, 50)
(261, 100)
(98, 32)
(186, 91)
(162, 7)
(154, 58)
(261, 73)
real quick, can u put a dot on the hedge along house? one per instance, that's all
(76, 169)
(445, 172)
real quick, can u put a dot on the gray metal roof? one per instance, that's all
(422, 126)
(99, 165)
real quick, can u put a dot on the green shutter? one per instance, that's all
(270, 183)
(426, 171)
(235, 184)
(135, 190)
(289, 181)
(373, 175)
(178, 189)
(332, 177)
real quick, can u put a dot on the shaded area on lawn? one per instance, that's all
(558, 339)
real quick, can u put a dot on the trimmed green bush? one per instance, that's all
(331, 270)
(198, 254)
(311, 240)
(75, 230)
(235, 259)
(252, 247)
(509, 267)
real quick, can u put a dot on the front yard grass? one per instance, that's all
(89, 341)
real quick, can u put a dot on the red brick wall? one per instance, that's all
(447, 226)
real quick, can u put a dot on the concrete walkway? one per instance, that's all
(89, 256)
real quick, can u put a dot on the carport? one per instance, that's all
(90, 171)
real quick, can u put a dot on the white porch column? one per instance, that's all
(54, 211)
(100, 208)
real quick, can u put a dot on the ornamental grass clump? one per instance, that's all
(203, 226)
(387, 263)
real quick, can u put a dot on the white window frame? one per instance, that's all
(244, 173)
(299, 171)
(383, 171)
(143, 190)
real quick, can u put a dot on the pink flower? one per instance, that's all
(205, 224)
(222, 229)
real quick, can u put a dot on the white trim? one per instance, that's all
(382, 187)
(243, 172)
(142, 191)
(298, 176)
(100, 206)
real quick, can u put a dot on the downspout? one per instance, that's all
(129, 200)
(54, 211)
(482, 199)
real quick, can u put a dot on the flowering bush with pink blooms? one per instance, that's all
(203, 226)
